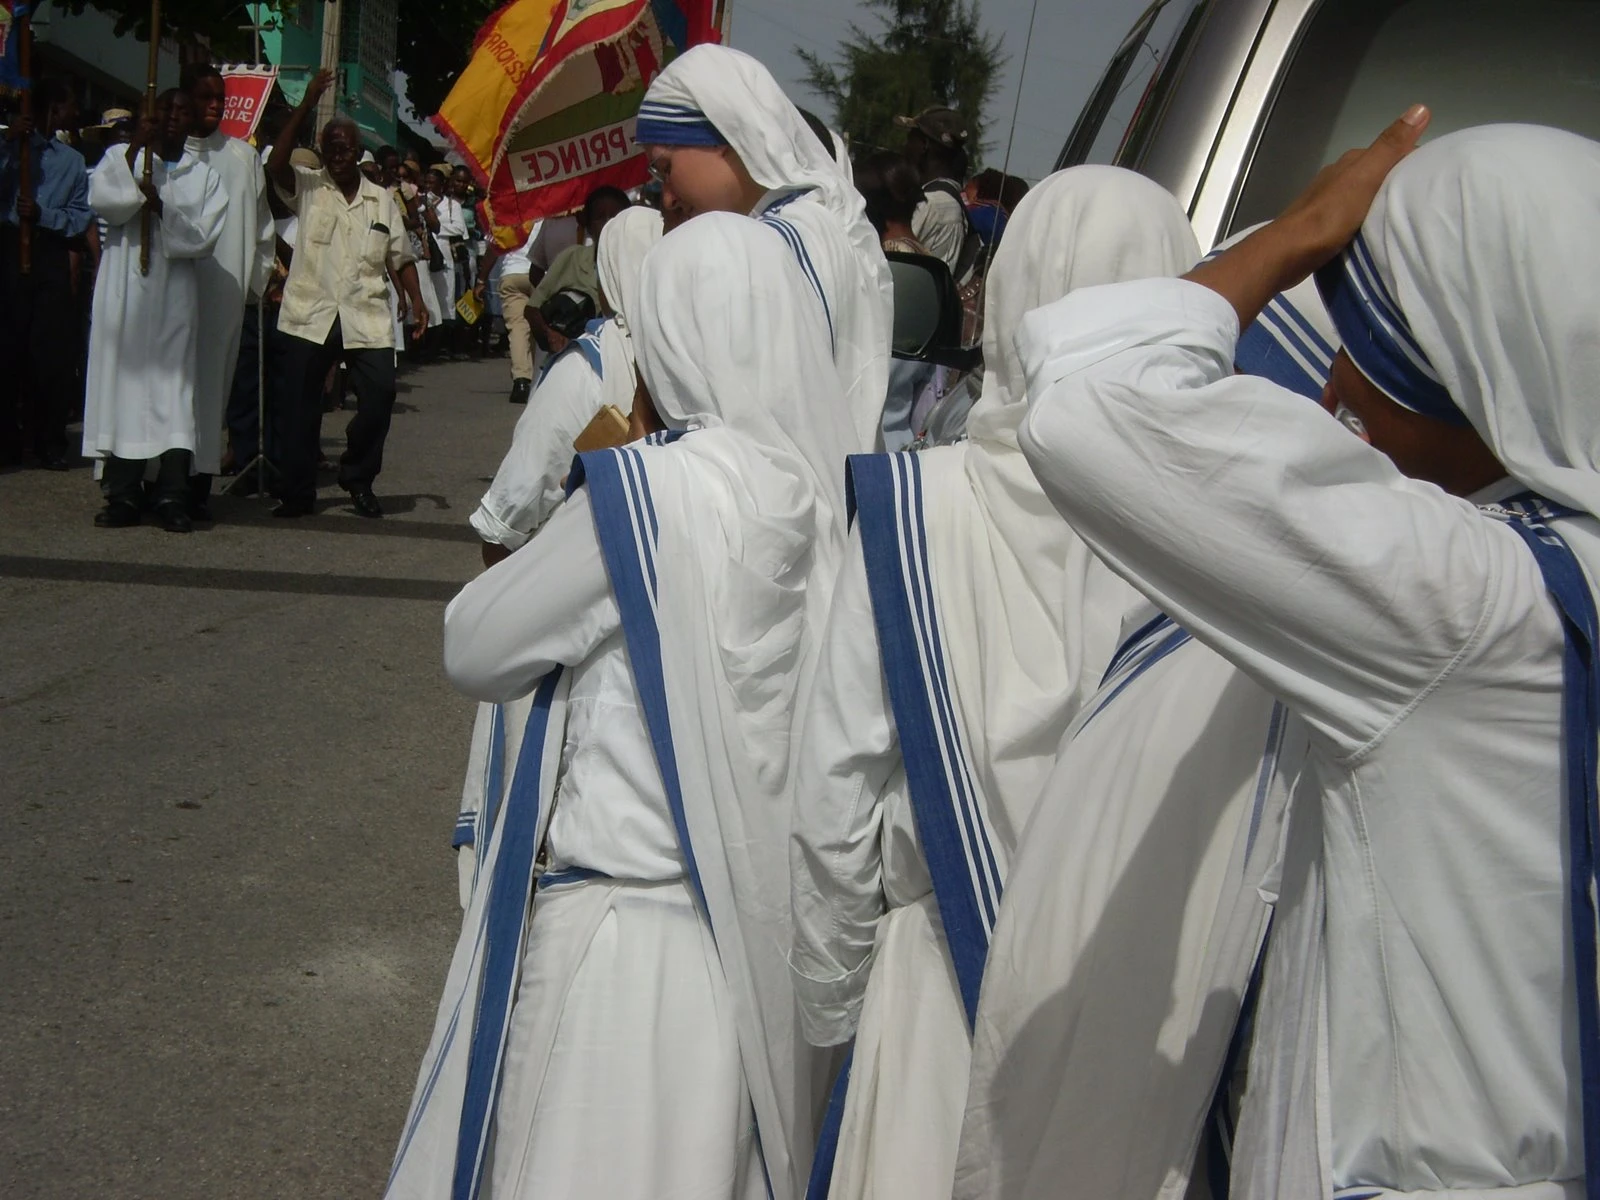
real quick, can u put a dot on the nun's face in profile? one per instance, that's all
(697, 179)
(1453, 457)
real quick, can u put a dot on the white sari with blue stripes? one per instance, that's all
(1428, 1018)
(1132, 918)
(992, 623)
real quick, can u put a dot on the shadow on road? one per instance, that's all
(63, 570)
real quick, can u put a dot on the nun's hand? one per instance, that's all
(1317, 226)
(1327, 215)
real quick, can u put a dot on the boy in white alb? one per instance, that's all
(143, 342)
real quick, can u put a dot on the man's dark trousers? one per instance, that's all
(39, 324)
(299, 420)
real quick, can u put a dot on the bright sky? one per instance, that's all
(1072, 41)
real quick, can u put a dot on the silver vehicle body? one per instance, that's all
(1234, 104)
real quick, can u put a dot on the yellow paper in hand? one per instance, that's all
(469, 308)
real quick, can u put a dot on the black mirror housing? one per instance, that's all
(927, 313)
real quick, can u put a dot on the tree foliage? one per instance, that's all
(193, 24)
(927, 52)
(435, 42)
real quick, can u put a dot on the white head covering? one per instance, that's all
(712, 95)
(734, 347)
(1479, 271)
(619, 256)
(743, 103)
(1079, 228)
(729, 334)
(1037, 614)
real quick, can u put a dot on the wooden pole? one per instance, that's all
(25, 182)
(147, 225)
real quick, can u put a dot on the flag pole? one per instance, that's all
(25, 183)
(147, 227)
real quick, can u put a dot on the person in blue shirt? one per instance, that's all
(39, 321)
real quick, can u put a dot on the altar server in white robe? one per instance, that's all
(235, 271)
(1137, 902)
(939, 707)
(720, 135)
(143, 338)
(1430, 978)
(595, 370)
(648, 1045)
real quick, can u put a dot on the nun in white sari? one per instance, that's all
(637, 1036)
(1428, 1022)
(1138, 901)
(969, 624)
(716, 96)
(595, 370)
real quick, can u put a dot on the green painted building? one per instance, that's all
(367, 31)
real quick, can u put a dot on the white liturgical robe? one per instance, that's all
(143, 340)
(236, 271)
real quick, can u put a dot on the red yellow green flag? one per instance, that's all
(544, 112)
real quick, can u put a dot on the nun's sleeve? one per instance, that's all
(1251, 516)
(848, 755)
(548, 605)
(528, 486)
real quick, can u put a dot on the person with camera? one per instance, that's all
(568, 296)
(336, 306)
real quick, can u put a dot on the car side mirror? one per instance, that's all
(927, 313)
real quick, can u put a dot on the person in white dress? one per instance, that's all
(1137, 902)
(451, 232)
(637, 1037)
(1427, 1023)
(939, 706)
(143, 341)
(596, 369)
(721, 136)
(235, 272)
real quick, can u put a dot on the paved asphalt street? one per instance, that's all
(229, 769)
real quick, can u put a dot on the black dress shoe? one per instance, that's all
(200, 510)
(117, 515)
(520, 390)
(55, 462)
(365, 502)
(294, 508)
(174, 516)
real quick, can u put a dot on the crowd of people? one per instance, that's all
(156, 304)
(1177, 781)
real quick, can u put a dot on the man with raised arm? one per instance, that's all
(336, 306)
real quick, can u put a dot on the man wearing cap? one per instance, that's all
(936, 140)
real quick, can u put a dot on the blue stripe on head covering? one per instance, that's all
(675, 125)
(1378, 338)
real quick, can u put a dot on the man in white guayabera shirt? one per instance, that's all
(1428, 1021)
(336, 305)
